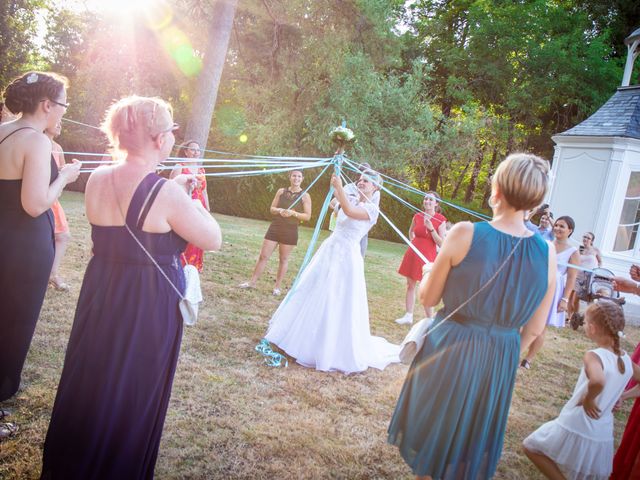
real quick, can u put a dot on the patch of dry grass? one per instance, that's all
(233, 417)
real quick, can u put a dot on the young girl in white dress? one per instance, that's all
(579, 443)
(324, 321)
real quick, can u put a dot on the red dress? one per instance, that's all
(411, 265)
(193, 255)
(626, 463)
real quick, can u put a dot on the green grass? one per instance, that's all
(233, 417)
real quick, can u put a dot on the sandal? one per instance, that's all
(245, 285)
(58, 284)
(8, 430)
(525, 364)
(277, 292)
(4, 414)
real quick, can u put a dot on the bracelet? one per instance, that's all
(564, 299)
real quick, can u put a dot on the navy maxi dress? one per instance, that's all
(450, 419)
(118, 371)
(27, 249)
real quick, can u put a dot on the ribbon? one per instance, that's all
(272, 359)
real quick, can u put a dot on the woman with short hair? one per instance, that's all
(494, 278)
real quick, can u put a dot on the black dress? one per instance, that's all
(27, 249)
(118, 371)
(284, 230)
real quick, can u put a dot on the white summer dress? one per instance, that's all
(581, 446)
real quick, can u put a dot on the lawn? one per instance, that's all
(231, 416)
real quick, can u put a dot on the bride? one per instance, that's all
(324, 322)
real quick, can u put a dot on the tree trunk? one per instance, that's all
(460, 180)
(471, 188)
(487, 187)
(434, 176)
(204, 100)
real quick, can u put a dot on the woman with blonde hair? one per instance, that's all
(29, 184)
(118, 371)
(451, 415)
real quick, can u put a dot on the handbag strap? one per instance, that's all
(487, 283)
(153, 260)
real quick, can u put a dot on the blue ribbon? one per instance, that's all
(272, 359)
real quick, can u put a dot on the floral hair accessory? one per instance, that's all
(621, 334)
(32, 78)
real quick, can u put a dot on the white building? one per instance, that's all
(596, 175)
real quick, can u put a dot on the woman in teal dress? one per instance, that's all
(452, 411)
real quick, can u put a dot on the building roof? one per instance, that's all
(619, 117)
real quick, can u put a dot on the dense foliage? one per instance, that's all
(437, 91)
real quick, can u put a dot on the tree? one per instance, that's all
(18, 31)
(206, 93)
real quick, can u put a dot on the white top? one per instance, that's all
(589, 261)
(573, 417)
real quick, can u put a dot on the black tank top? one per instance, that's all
(285, 201)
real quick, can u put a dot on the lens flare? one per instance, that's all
(243, 138)
(178, 46)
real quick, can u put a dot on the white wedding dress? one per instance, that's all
(324, 322)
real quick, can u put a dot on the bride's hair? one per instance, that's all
(374, 177)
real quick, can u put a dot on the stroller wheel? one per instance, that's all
(576, 320)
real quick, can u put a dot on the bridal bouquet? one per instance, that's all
(342, 135)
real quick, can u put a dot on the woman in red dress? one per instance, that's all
(190, 150)
(426, 233)
(626, 463)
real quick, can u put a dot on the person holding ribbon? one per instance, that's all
(427, 232)
(30, 182)
(190, 150)
(289, 207)
(118, 371)
(62, 235)
(496, 280)
(324, 320)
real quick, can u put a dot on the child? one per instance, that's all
(579, 443)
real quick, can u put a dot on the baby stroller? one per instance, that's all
(591, 286)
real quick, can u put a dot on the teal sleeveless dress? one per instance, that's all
(452, 411)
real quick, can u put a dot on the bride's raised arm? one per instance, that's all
(353, 211)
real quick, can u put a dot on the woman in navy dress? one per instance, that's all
(118, 371)
(451, 415)
(29, 185)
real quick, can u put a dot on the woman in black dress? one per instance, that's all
(29, 184)
(283, 231)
